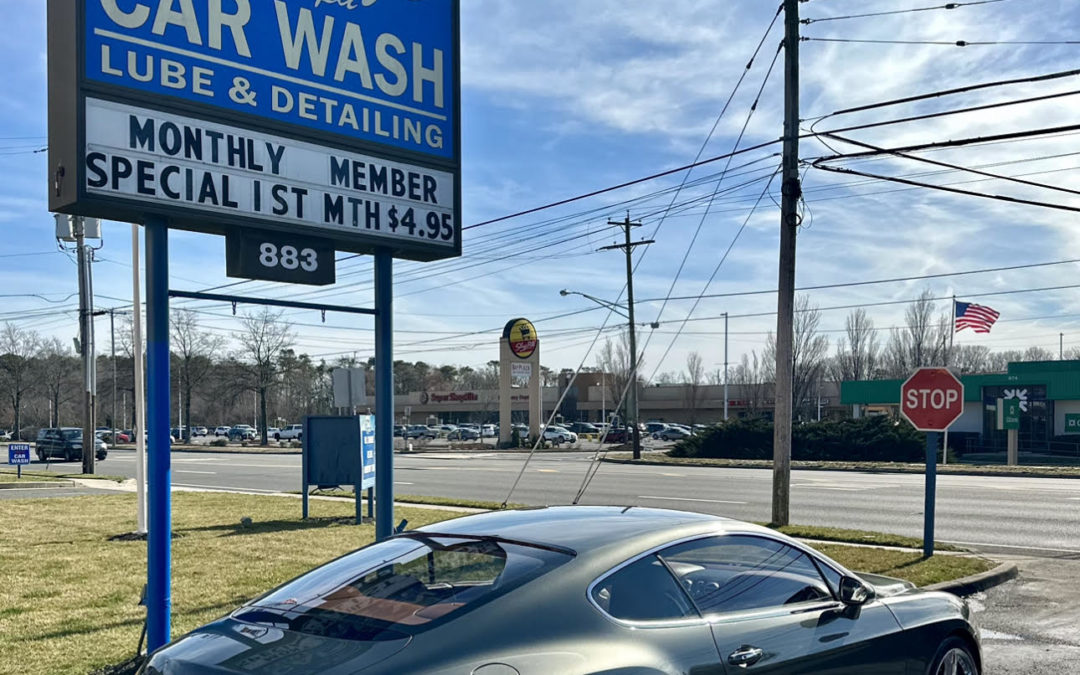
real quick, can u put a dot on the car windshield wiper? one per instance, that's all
(428, 537)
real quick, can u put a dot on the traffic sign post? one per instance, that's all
(931, 399)
(19, 456)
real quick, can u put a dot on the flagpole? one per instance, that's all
(952, 337)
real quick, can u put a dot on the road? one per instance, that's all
(1030, 625)
(995, 514)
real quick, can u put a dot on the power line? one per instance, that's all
(956, 90)
(951, 5)
(955, 43)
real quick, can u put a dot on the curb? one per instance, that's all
(36, 484)
(977, 582)
(851, 469)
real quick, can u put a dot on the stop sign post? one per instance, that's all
(931, 399)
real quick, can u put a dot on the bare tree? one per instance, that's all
(18, 348)
(194, 353)
(857, 353)
(265, 336)
(972, 359)
(753, 378)
(695, 379)
(58, 369)
(809, 353)
(614, 359)
(921, 342)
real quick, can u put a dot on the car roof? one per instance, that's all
(587, 527)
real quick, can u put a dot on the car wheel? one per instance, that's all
(277, 437)
(41, 455)
(68, 457)
(954, 658)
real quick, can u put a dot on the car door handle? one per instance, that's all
(745, 656)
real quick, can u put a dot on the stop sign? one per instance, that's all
(931, 399)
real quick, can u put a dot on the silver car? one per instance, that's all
(585, 591)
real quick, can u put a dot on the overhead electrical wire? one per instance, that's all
(945, 43)
(951, 5)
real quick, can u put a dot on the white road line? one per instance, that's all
(688, 499)
(400, 483)
(994, 635)
(212, 473)
(225, 488)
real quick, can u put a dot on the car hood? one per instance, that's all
(232, 646)
(887, 586)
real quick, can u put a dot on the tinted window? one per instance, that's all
(643, 591)
(400, 586)
(739, 573)
(72, 434)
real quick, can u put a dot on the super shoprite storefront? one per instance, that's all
(1049, 395)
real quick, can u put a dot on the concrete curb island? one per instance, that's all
(977, 582)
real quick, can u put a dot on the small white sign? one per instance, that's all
(520, 374)
(350, 387)
(181, 162)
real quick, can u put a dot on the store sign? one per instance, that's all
(521, 335)
(1072, 423)
(252, 254)
(520, 372)
(328, 117)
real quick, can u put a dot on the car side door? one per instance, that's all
(644, 598)
(772, 611)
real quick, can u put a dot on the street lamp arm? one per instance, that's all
(618, 309)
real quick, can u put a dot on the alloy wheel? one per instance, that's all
(957, 661)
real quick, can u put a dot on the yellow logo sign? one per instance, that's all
(522, 338)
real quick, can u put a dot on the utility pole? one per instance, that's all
(725, 368)
(112, 331)
(1061, 346)
(86, 343)
(631, 398)
(791, 191)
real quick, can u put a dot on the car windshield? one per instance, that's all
(71, 434)
(401, 586)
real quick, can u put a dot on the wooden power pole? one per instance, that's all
(789, 222)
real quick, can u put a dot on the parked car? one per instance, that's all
(199, 431)
(221, 431)
(399, 430)
(583, 428)
(463, 434)
(66, 442)
(585, 590)
(421, 431)
(5, 435)
(293, 432)
(489, 431)
(617, 435)
(242, 432)
(673, 433)
(125, 436)
(556, 435)
(274, 433)
(104, 437)
(445, 428)
(654, 428)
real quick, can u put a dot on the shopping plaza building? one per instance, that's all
(1049, 394)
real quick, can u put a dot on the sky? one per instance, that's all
(565, 97)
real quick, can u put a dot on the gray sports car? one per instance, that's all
(585, 590)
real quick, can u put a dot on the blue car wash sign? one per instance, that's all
(367, 445)
(19, 454)
(333, 118)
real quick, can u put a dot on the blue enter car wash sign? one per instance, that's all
(18, 454)
(367, 449)
(381, 71)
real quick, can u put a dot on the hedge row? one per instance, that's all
(877, 439)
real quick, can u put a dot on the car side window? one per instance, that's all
(739, 573)
(644, 590)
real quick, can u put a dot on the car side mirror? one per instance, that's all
(855, 592)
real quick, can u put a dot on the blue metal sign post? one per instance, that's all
(159, 479)
(19, 455)
(932, 439)
(384, 394)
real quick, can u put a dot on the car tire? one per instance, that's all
(41, 455)
(68, 456)
(953, 658)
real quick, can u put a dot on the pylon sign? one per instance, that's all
(932, 399)
(338, 120)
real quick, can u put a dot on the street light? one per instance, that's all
(632, 400)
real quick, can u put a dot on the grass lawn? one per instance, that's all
(12, 477)
(70, 596)
(9, 473)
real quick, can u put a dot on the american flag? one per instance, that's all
(976, 317)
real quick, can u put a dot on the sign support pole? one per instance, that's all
(159, 540)
(931, 491)
(384, 394)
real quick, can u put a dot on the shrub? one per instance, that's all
(219, 442)
(876, 439)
